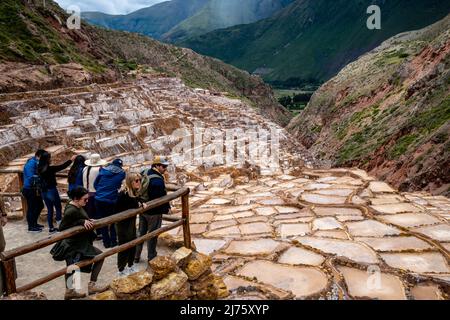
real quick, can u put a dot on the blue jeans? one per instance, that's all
(103, 210)
(52, 199)
(35, 206)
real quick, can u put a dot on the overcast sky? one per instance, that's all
(109, 6)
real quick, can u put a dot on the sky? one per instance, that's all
(108, 6)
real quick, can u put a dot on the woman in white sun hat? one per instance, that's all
(90, 173)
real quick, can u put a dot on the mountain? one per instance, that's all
(153, 21)
(311, 40)
(217, 14)
(388, 112)
(38, 51)
(177, 20)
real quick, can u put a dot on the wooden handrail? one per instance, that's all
(101, 256)
(10, 254)
(7, 259)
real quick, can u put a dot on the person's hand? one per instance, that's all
(73, 158)
(3, 221)
(89, 224)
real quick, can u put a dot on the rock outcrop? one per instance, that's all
(388, 112)
(170, 278)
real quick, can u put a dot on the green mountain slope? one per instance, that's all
(153, 21)
(388, 112)
(311, 40)
(38, 51)
(217, 14)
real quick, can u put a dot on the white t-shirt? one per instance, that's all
(93, 173)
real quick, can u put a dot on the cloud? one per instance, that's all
(109, 6)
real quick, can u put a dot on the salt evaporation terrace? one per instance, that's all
(289, 233)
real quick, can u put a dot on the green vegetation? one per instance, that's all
(287, 45)
(297, 102)
(402, 145)
(433, 118)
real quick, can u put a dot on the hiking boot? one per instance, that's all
(73, 294)
(93, 289)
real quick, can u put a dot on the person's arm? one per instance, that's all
(61, 166)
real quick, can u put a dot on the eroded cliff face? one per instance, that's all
(388, 112)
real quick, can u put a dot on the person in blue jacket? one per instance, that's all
(107, 185)
(32, 195)
(75, 176)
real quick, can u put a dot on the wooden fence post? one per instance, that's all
(10, 275)
(185, 217)
(24, 201)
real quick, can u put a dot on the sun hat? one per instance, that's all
(95, 161)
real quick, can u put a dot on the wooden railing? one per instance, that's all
(7, 258)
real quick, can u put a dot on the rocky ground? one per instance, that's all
(284, 231)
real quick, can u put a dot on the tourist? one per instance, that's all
(126, 229)
(3, 221)
(50, 193)
(31, 192)
(152, 219)
(90, 173)
(75, 178)
(107, 185)
(78, 247)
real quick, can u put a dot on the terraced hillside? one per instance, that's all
(273, 232)
(388, 112)
(38, 51)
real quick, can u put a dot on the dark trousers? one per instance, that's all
(90, 210)
(35, 206)
(148, 223)
(52, 200)
(95, 270)
(103, 210)
(126, 232)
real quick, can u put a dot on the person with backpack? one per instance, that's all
(32, 193)
(107, 185)
(126, 229)
(75, 177)
(49, 189)
(80, 246)
(153, 187)
(90, 173)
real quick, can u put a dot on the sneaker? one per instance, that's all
(34, 230)
(131, 269)
(40, 226)
(122, 273)
(137, 259)
(53, 230)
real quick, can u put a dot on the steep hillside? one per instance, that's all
(217, 14)
(153, 21)
(388, 112)
(311, 40)
(38, 51)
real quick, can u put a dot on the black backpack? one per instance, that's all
(38, 184)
